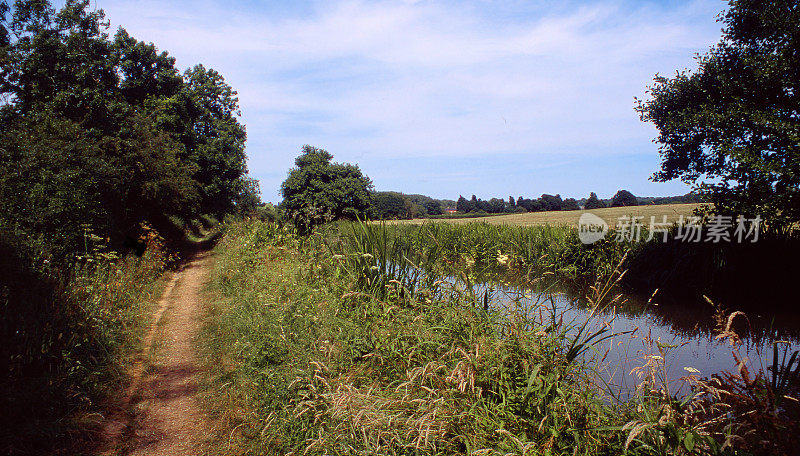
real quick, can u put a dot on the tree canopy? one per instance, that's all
(732, 127)
(593, 202)
(105, 133)
(396, 205)
(318, 189)
(624, 198)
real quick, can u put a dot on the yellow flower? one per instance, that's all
(502, 259)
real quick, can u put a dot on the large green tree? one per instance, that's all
(318, 189)
(107, 132)
(593, 202)
(215, 140)
(624, 198)
(389, 205)
(732, 127)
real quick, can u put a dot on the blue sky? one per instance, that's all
(442, 97)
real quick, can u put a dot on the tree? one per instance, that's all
(594, 202)
(433, 207)
(462, 205)
(215, 140)
(5, 41)
(624, 198)
(389, 205)
(529, 205)
(474, 204)
(317, 190)
(570, 204)
(731, 128)
(248, 202)
(108, 133)
(496, 206)
(200, 109)
(550, 202)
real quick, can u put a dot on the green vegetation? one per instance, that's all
(732, 127)
(107, 133)
(593, 202)
(318, 191)
(548, 242)
(623, 198)
(67, 341)
(105, 148)
(395, 205)
(477, 207)
(471, 250)
(399, 206)
(329, 335)
(570, 218)
(352, 341)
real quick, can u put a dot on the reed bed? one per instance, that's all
(364, 339)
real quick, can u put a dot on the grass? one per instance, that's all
(476, 252)
(353, 341)
(67, 341)
(307, 359)
(570, 218)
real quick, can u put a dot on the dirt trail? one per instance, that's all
(163, 413)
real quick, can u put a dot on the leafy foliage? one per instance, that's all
(623, 198)
(107, 132)
(101, 141)
(389, 205)
(732, 127)
(318, 190)
(593, 202)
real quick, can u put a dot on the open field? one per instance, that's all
(610, 215)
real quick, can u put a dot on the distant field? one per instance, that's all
(610, 215)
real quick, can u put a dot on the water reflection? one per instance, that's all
(686, 333)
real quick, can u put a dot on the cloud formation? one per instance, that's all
(385, 82)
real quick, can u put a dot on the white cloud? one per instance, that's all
(410, 78)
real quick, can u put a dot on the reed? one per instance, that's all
(369, 339)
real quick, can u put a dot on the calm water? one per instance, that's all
(688, 329)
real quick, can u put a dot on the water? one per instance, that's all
(689, 331)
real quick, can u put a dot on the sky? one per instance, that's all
(443, 98)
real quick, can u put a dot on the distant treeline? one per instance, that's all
(395, 205)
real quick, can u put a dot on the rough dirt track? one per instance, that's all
(163, 412)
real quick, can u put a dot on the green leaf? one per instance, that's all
(688, 442)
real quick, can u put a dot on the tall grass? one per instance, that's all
(358, 341)
(67, 337)
(352, 345)
(484, 250)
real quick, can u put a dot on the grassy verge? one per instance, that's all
(333, 345)
(306, 362)
(67, 339)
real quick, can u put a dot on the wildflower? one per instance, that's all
(502, 259)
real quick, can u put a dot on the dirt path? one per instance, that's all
(164, 416)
